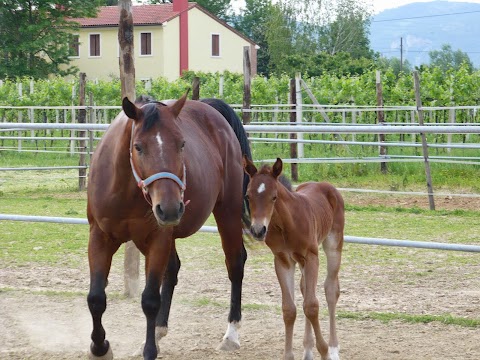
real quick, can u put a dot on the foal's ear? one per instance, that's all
(277, 168)
(178, 105)
(248, 166)
(130, 109)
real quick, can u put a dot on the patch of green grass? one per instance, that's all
(446, 319)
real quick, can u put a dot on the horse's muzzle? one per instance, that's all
(169, 215)
(258, 231)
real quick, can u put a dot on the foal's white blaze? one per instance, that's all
(261, 188)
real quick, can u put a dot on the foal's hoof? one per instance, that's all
(332, 353)
(228, 345)
(106, 356)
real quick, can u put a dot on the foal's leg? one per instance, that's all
(333, 250)
(308, 339)
(230, 229)
(285, 270)
(310, 301)
(100, 251)
(156, 254)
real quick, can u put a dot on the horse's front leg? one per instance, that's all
(230, 229)
(156, 261)
(170, 280)
(100, 251)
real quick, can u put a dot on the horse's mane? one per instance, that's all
(149, 105)
(232, 118)
(267, 169)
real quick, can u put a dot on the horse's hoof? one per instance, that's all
(160, 332)
(139, 351)
(107, 356)
(332, 354)
(307, 355)
(228, 345)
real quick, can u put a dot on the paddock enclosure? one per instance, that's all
(395, 303)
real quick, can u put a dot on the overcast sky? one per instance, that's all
(378, 5)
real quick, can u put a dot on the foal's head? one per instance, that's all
(262, 193)
(157, 158)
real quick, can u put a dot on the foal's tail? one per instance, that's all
(229, 114)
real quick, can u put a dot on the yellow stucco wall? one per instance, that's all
(201, 28)
(165, 58)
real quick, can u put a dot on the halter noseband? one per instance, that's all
(143, 184)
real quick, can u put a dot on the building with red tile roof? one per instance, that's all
(168, 39)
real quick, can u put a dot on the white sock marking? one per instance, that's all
(333, 353)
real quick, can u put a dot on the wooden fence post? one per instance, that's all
(247, 81)
(293, 119)
(131, 260)
(424, 141)
(82, 115)
(196, 88)
(381, 121)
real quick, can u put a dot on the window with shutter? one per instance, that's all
(215, 45)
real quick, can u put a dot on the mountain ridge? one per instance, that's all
(423, 31)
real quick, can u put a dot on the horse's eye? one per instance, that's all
(182, 146)
(274, 198)
(138, 148)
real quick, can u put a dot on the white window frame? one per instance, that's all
(140, 42)
(89, 45)
(219, 45)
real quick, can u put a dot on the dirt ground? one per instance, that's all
(44, 314)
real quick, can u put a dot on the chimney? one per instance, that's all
(181, 6)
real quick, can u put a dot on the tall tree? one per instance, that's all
(347, 29)
(279, 37)
(35, 35)
(447, 59)
(220, 8)
(253, 23)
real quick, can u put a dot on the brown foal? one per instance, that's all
(293, 225)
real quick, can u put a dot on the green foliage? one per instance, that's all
(330, 84)
(35, 36)
(447, 59)
(220, 8)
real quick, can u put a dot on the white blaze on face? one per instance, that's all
(261, 188)
(160, 143)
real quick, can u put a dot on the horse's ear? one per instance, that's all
(248, 166)
(130, 109)
(178, 105)
(277, 168)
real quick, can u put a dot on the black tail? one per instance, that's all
(228, 113)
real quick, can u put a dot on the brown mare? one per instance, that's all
(158, 173)
(294, 224)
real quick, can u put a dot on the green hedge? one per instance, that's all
(437, 88)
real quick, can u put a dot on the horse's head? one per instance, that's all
(156, 156)
(262, 193)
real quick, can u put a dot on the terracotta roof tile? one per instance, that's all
(142, 15)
